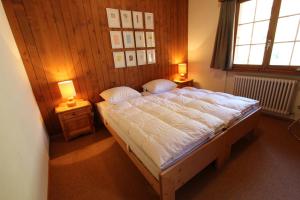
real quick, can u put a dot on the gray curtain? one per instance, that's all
(224, 44)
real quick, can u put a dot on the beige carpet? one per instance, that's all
(94, 167)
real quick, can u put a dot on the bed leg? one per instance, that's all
(167, 191)
(170, 195)
(223, 157)
(167, 195)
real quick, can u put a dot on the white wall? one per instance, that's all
(23, 139)
(203, 22)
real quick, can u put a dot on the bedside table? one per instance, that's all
(184, 83)
(76, 120)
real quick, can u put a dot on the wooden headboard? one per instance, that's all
(69, 39)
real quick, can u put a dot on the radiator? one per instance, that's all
(275, 95)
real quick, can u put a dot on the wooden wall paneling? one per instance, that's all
(78, 51)
(84, 47)
(38, 55)
(26, 58)
(171, 32)
(158, 39)
(26, 31)
(94, 44)
(94, 23)
(70, 35)
(69, 39)
(165, 36)
(70, 71)
(99, 46)
(182, 30)
(42, 32)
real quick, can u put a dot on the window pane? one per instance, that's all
(298, 37)
(257, 54)
(296, 55)
(287, 28)
(241, 54)
(244, 34)
(289, 7)
(281, 53)
(263, 9)
(260, 32)
(247, 12)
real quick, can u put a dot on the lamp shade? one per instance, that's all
(67, 89)
(182, 69)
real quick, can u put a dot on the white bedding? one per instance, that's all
(166, 126)
(102, 108)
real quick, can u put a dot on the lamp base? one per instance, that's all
(182, 78)
(71, 103)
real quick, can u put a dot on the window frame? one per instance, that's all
(265, 67)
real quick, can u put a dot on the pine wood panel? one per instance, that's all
(69, 39)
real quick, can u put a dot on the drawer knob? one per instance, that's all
(73, 114)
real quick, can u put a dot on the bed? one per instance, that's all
(173, 135)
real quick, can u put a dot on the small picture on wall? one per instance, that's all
(150, 39)
(128, 39)
(130, 58)
(141, 57)
(140, 39)
(137, 20)
(151, 56)
(113, 18)
(119, 59)
(126, 18)
(116, 39)
(149, 20)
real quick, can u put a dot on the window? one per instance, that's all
(268, 35)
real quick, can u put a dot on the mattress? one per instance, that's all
(160, 129)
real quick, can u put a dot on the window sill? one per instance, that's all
(272, 70)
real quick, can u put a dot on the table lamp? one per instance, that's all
(182, 70)
(67, 91)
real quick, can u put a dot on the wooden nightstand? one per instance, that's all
(76, 120)
(184, 83)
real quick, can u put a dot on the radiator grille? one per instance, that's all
(275, 95)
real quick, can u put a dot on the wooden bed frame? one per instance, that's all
(217, 149)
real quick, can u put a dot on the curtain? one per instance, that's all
(224, 43)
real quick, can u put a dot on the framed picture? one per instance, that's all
(116, 39)
(119, 59)
(126, 18)
(141, 57)
(151, 56)
(149, 20)
(130, 58)
(150, 39)
(137, 20)
(113, 18)
(140, 39)
(128, 39)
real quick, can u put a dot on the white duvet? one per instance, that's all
(166, 126)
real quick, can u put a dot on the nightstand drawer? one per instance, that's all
(75, 113)
(77, 123)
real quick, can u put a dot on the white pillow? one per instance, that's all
(159, 85)
(119, 94)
